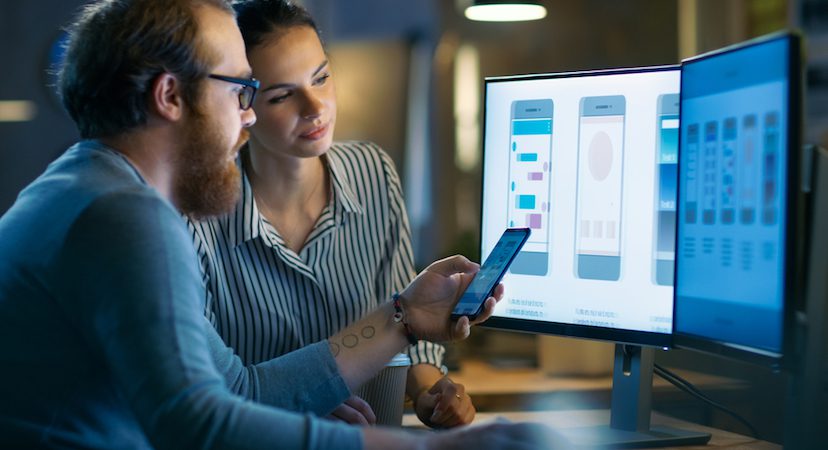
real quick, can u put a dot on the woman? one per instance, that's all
(320, 235)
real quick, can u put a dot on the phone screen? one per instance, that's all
(491, 272)
(665, 193)
(599, 192)
(530, 170)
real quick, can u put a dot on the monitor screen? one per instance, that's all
(736, 168)
(588, 161)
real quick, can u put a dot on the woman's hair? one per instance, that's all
(117, 48)
(260, 20)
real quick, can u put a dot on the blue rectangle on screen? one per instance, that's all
(540, 126)
(527, 157)
(669, 143)
(525, 201)
(667, 180)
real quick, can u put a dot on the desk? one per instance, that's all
(529, 389)
(527, 394)
(581, 418)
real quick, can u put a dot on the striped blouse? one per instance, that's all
(265, 300)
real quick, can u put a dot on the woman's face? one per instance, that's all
(296, 106)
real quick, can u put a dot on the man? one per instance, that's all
(103, 340)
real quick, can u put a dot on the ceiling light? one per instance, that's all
(505, 10)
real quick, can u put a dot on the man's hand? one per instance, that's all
(495, 436)
(354, 411)
(444, 405)
(430, 298)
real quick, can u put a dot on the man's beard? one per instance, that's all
(206, 182)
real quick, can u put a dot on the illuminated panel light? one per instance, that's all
(505, 12)
(467, 107)
(17, 110)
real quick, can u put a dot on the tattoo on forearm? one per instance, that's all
(368, 332)
(352, 340)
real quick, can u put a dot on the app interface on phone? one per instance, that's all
(594, 244)
(530, 182)
(730, 264)
(490, 271)
(600, 185)
(666, 179)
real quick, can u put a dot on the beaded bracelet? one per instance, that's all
(399, 317)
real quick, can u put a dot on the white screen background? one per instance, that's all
(634, 302)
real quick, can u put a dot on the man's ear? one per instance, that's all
(165, 97)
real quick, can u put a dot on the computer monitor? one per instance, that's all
(587, 160)
(739, 209)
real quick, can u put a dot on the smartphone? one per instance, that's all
(599, 188)
(530, 184)
(491, 272)
(665, 192)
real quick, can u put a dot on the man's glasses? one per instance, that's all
(248, 92)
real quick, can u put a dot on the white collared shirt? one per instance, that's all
(265, 300)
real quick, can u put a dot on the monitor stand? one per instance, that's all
(629, 427)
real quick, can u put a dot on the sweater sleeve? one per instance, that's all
(315, 383)
(131, 285)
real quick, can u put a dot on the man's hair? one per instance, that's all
(259, 19)
(117, 48)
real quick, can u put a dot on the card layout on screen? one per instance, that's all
(587, 161)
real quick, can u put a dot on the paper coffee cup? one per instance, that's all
(386, 391)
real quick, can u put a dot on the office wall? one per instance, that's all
(27, 32)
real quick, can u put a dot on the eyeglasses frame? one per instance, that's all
(251, 85)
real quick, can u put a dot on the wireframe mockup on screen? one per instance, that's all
(586, 160)
(738, 182)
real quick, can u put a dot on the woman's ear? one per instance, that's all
(166, 98)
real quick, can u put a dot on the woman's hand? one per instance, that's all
(444, 405)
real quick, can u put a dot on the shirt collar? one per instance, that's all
(248, 223)
(342, 191)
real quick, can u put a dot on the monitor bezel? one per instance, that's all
(619, 335)
(793, 216)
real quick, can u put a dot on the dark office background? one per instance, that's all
(397, 63)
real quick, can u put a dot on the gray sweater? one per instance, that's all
(103, 342)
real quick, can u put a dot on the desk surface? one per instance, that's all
(583, 418)
(481, 378)
(527, 394)
(529, 389)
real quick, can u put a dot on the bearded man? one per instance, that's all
(104, 344)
